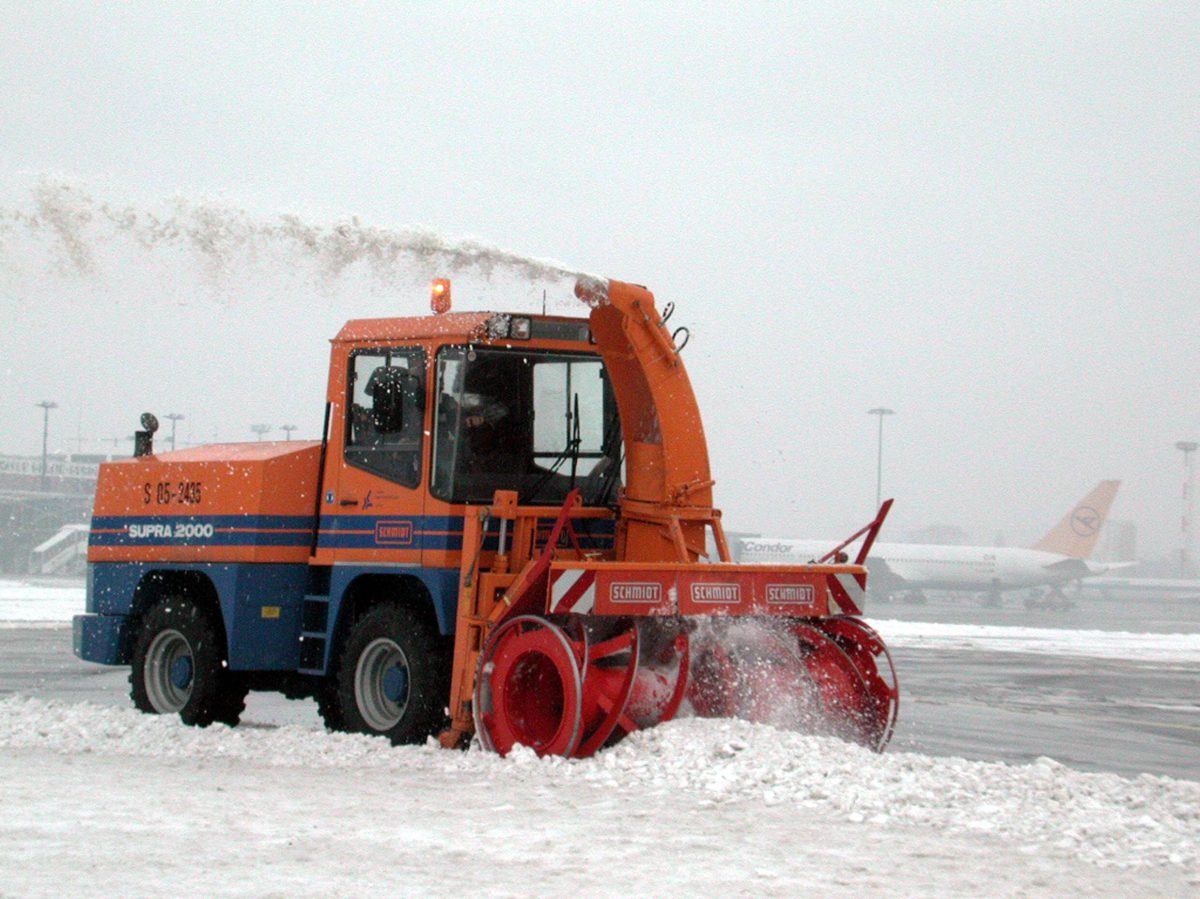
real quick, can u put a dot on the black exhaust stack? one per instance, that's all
(143, 440)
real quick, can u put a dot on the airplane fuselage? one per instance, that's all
(933, 567)
(1059, 557)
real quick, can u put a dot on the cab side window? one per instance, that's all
(387, 412)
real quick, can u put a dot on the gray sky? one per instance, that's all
(985, 218)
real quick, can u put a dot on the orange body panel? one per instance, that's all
(251, 502)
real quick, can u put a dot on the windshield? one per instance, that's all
(539, 423)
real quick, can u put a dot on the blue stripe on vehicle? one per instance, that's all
(201, 530)
(433, 532)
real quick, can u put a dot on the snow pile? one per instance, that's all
(1052, 641)
(24, 603)
(72, 729)
(1103, 819)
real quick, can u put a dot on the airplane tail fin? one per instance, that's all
(1076, 534)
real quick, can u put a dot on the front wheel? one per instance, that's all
(179, 666)
(393, 677)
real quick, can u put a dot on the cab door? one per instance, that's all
(374, 510)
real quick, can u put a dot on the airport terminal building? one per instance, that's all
(45, 515)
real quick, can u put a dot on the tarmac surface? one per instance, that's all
(1092, 714)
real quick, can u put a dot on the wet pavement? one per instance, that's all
(1090, 714)
(1094, 714)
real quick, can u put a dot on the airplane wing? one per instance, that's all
(1070, 569)
(1103, 567)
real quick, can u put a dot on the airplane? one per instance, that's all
(908, 569)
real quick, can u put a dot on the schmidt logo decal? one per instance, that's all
(635, 593)
(1085, 521)
(716, 593)
(394, 533)
(791, 594)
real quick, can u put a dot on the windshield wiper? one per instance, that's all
(570, 451)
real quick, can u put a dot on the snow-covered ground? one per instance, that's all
(107, 801)
(110, 801)
(48, 602)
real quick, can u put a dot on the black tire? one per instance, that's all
(328, 706)
(179, 666)
(391, 678)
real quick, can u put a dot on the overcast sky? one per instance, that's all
(984, 218)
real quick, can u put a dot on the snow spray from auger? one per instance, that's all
(57, 227)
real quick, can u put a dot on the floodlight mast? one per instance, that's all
(174, 418)
(45, 406)
(1187, 447)
(881, 412)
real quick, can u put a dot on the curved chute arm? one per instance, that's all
(666, 452)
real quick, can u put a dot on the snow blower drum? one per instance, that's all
(560, 689)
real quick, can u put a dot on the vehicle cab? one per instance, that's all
(427, 415)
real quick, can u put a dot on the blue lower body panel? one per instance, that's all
(260, 608)
(441, 584)
(101, 638)
(261, 604)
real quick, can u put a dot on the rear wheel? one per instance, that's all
(392, 678)
(179, 666)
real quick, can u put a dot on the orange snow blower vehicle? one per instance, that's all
(504, 532)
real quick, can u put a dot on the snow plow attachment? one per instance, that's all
(566, 651)
(571, 654)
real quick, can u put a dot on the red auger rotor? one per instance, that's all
(552, 687)
(560, 693)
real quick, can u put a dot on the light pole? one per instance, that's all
(260, 430)
(880, 411)
(1187, 447)
(45, 406)
(174, 418)
(287, 429)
